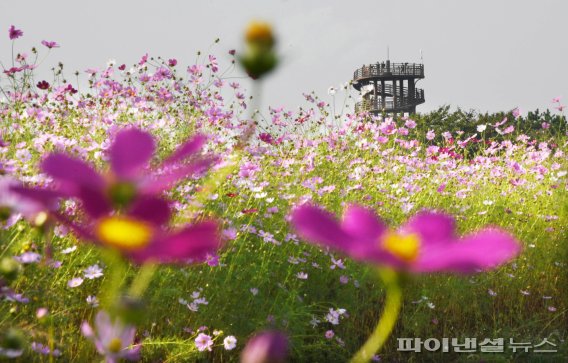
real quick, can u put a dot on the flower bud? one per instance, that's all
(259, 33)
(259, 57)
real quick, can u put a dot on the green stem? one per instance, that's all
(113, 282)
(142, 279)
(393, 303)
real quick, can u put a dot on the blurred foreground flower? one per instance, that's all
(114, 340)
(266, 347)
(426, 243)
(124, 210)
(259, 57)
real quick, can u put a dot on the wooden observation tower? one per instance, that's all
(389, 88)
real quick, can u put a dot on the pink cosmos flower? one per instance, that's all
(50, 44)
(426, 243)
(266, 137)
(203, 342)
(14, 33)
(143, 60)
(124, 210)
(13, 70)
(114, 340)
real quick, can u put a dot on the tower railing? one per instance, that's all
(392, 69)
(397, 104)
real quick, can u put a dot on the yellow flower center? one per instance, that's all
(115, 345)
(403, 246)
(123, 232)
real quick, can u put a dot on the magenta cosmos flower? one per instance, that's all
(123, 208)
(113, 340)
(50, 44)
(14, 33)
(426, 243)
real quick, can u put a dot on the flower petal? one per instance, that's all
(94, 201)
(317, 225)
(130, 152)
(72, 172)
(171, 177)
(188, 148)
(151, 209)
(46, 197)
(362, 223)
(191, 243)
(433, 227)
(103, 325)
(87, 330)
(483, 250)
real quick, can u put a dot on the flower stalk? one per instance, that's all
(393, 303)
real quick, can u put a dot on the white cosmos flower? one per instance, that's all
(481, 128)
(230, 342)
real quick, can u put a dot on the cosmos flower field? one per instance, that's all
(146, 217)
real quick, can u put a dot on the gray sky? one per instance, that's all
(487, 55)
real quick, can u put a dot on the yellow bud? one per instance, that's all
(259, 33)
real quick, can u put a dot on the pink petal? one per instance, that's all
(362, 223)
(87, 330)
(171, 177)
(191, 243)
(188, 148)
(483, 250)
(73, 172)
(433, 227)
(317, 225)
(94, 200)
(46, 197)
(130, 152)
(151, 209)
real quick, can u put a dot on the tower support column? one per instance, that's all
(383, 98)
(394, 93)
(375, 103)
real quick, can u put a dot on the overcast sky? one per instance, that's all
(488, 55)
